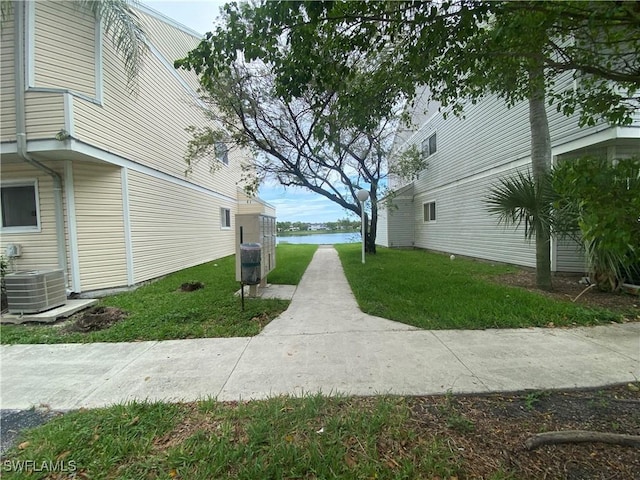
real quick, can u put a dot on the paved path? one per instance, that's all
(321, 343)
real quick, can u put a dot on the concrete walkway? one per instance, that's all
(321, 343)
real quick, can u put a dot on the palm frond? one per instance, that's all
(123, 26)
(520, 199)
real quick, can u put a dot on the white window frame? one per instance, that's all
(426, 145)
(31, 182)
(223, 218)
(427, 210)
(222, 152)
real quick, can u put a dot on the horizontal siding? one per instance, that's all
(7, 81)
(172, 43)
(569, 256)
(472, 154)
(64, 47)
(173, 227)
(39, 249)
(149, 127)
(401, 223)
(44, 114)
(100, 225)
(464, 226)
(382, 232)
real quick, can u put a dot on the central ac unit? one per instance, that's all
(35, 291)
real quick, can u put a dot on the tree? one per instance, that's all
(299, 141)
(461, 50)
(120, 23)
(598, 199)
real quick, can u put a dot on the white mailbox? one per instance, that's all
(257, 228)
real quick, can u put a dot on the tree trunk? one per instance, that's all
(541, 164)
(373, 226)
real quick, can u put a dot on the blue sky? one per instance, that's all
(292, 205)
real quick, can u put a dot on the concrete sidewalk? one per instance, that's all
(321, 343)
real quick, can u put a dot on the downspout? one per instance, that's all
(19, 8)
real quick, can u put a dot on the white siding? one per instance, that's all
(401, 223)
(491, 142)
(382, 234)
(463, 225)
(64, 47)
(173, 227)
(569, 256)
(100, 225)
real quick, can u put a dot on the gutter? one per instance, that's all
(19, 9)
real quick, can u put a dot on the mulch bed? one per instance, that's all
(489, 431)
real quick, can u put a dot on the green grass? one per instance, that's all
(312, 437)
(291, 262)
(430, 291)
(160, 311)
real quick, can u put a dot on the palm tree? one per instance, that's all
(524, 199)
(121, 24)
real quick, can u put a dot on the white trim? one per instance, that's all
(478, 176)
(429, 202)
(126, 217)
(30, 44)
(23, 182)
(610, 133)
(72, 226)
(223, 217)
(65, 90)
(99, 77)
(7, 148)
(69, 124)
(73, 145)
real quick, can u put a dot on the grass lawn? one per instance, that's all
(430, 291)
(315, 437)
(160, 311)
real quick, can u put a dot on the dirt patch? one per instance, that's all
(490, 431)
(98, 318)
(568, 288)
(191, 286)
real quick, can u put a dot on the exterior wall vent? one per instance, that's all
(35, 291)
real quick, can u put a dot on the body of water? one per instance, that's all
(321, 238)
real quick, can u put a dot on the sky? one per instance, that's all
(292, 205)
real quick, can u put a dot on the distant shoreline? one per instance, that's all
(304, 233)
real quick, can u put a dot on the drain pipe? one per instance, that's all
(19, 9)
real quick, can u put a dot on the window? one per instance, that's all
(429, 146)
(429, 211)
(20, 206)
(225, 218)
(222, 152)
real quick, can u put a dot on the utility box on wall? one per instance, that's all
(257, 228)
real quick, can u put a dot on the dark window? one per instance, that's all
(225, 218)
(222, 152)
(429, 211)
(19, 206)
(429, 146)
